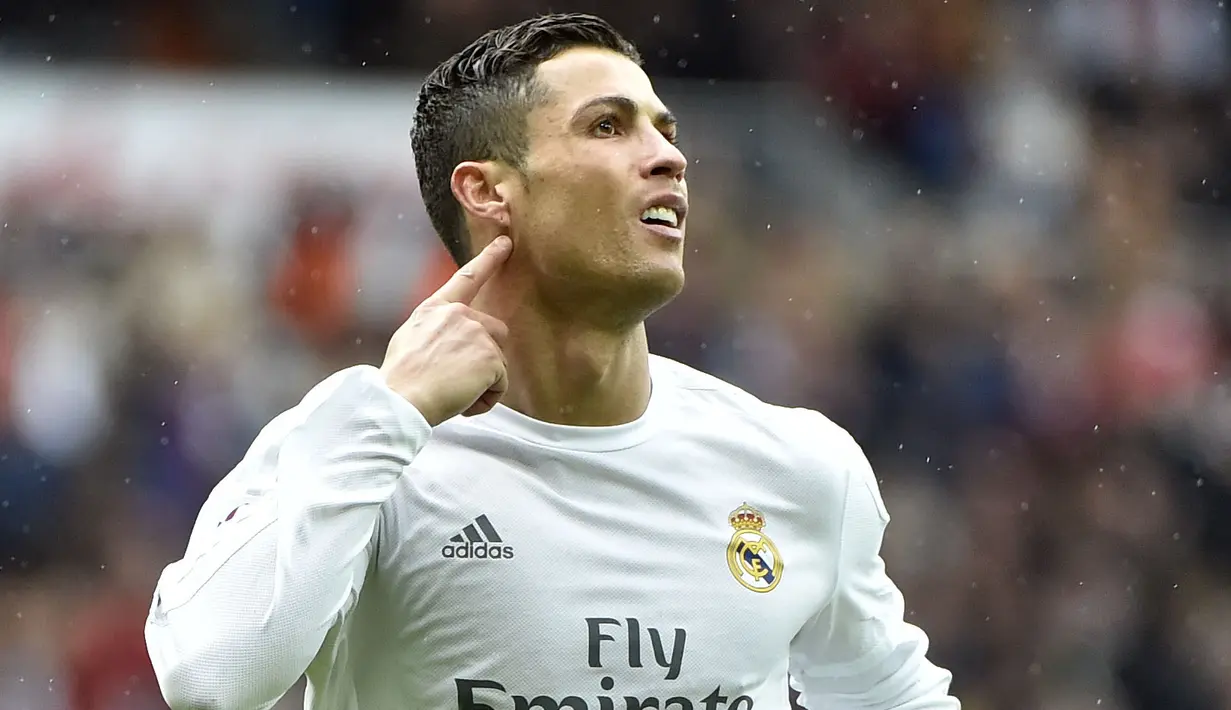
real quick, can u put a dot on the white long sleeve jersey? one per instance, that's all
(695, 559)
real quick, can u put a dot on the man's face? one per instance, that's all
(600, 154)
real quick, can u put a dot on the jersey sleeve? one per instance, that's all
(858, 651)
(280, 549)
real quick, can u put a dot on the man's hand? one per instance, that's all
(446, 359)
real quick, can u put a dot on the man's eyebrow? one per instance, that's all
(662, 119)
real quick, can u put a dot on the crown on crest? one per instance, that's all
(746, 517)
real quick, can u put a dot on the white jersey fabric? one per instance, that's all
(693, 559)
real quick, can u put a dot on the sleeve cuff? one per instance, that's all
(410, 424)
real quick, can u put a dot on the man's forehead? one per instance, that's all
(578, 76)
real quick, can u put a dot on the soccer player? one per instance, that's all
(601, 529)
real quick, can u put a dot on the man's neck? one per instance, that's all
(572, 373)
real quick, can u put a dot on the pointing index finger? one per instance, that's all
(464, 285)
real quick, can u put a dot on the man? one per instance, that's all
(603, 529)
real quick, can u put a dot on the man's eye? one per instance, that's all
(605, 128)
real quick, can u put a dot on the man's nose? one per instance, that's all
(667, 160)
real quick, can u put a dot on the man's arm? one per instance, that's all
(280, 550)
(859, 652)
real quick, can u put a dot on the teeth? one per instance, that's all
(661, 214)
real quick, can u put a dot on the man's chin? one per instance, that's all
(619, 295)
(649, 290)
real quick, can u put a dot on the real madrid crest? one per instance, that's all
(751, 555)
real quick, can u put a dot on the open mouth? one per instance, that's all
(661, 216)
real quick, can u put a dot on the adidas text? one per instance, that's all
(477, 551)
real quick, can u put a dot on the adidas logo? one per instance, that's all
(477, 541)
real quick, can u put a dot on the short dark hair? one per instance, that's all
(474, 106)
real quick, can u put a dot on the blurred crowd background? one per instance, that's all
(992, 238)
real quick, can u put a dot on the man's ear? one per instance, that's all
(481, 189)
